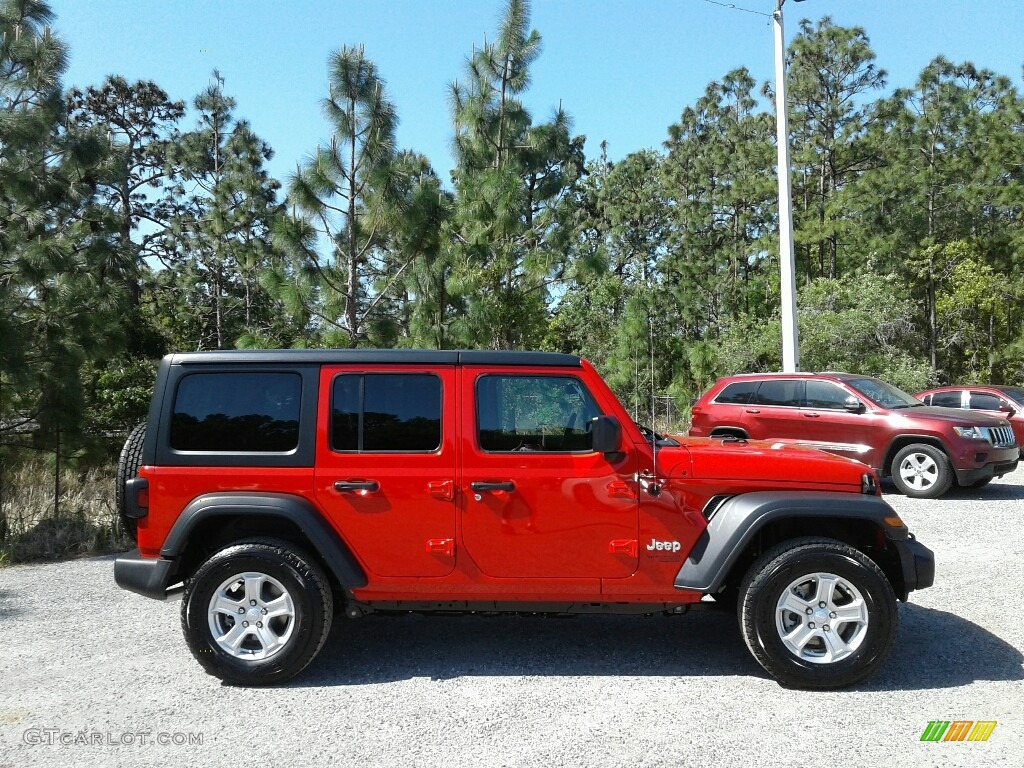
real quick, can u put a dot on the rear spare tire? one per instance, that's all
(128, 467)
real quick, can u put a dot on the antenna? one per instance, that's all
(654, 489)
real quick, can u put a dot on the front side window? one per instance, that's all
(534, 413)
(825, 394)
(981, 401)
(386, 412)
(237, 412)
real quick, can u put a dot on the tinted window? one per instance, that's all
(825, 394)
(237, 412)
(946, 399)
(390, 412)
(981, 401)
(779, 392)
(534, 413)
(737, 393)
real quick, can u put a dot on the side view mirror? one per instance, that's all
(606, 434)
(853, 405)
(1008, 409)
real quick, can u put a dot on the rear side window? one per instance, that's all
(386, 412)
(237, 412)
(779, 392)
(946, 399)
(737, 393)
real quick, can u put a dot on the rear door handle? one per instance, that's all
(507, 485)
(752, 410)
(812, 415)
(368, 486)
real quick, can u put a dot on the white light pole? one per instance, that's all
(787, 259)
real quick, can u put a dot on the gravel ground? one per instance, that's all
(94, 676)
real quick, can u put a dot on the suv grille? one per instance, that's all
(1001, 437)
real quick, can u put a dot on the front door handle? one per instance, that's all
(364, 486)
(507, 485)
(752, 410)
(812, 415)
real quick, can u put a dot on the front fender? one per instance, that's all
(737, 521)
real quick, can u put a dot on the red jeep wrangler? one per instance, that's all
(280, 486)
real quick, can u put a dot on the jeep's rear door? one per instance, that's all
(535, 500)
(385, 464)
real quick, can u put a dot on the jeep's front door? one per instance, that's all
(385, 467)
(535, 500)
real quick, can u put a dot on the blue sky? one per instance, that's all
(624, 69)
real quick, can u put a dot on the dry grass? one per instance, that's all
(85, 522)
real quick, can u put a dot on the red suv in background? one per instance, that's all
(924, 449)
(1009, 401)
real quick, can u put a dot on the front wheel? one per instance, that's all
(817, 613)
(921, 471)
(257, 612)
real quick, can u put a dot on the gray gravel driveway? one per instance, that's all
(92, 675)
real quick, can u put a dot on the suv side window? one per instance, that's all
(947, 399)
(983, 401)
(386, 412)
(534, 413)
(237, 412)
(825, 394)
(780, 392)
(737, 393)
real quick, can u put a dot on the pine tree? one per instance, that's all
(511, 178)
(56, 307)
(344, 201)
(831, 70)
(224, 207)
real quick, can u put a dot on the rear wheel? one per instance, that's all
(817, 613)
(921, 471)
(257, 612)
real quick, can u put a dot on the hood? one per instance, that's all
(952, 416)
(714, 459)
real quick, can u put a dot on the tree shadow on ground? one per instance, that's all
(934, 649)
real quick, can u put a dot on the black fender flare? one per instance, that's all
(334, 553)
(737, 520)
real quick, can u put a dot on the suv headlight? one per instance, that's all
(972, 433)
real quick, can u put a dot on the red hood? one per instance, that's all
(714, 459)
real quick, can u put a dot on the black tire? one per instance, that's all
(921, 471)
(771, 631)
(285, 570)
(128, 467)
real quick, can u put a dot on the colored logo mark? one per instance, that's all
(958, 730)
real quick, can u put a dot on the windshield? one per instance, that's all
(1014, 393)
(885, 395)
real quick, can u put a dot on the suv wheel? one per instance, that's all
(817, 613)
(921, 471)
(128, 467)
(257, 612)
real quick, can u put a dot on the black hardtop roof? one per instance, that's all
(375, 356)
